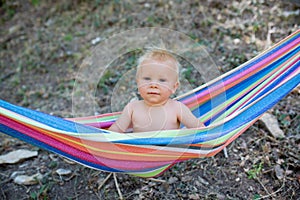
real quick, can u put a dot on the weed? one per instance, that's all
(255, 171)
(53, 164)
(187, 74)
(35, 2)
(68, 37)
(42, 193)
(256, 197)
(97, 21)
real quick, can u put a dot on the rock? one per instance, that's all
(28, 180)
(194, 196)
(16, 156)
(272, 125)
(14, 29)
(96, 40)
(236, 41)
(63, 172)
(172, 180)
(279, 172)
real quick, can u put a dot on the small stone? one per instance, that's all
(221, 196)
(236, 41)
(28, 180)
(172, 180)
(63, 172)
(186, 178)
(96, 40)
(279, 172)
(147, 5)
(250, 188)
(272, 125)
(194, 196)
(45, 157)
(16, 156)
(14, 29)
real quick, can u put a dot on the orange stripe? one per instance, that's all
(163, 155)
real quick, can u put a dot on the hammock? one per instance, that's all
(228, 105)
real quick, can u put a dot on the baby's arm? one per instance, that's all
(124, 120)
(186, 117)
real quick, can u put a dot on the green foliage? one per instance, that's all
(68, 37)
(255, 171)
(256, 197)
(187, 74)
(42, 193)
(53, 164)
(97, 20)
(35, 2)
(9, 9)
(105, 81)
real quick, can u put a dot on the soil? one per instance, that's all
(43, 44)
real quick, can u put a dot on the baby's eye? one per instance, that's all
(147, 78)
(162, 80)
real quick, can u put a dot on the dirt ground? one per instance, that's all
(43, 43)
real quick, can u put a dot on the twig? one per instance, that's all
(225, 152)
(157, 180)
(10, 37)
(266, 196)
(117, 186)
(4, 175)
(7, 76)
(103, 182)
(264, 187)
(3, 194)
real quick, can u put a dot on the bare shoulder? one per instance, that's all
(134, 104)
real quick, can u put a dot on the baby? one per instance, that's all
(157, 80)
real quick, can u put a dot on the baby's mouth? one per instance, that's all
(153, 93)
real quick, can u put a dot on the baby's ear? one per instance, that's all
(176, 85)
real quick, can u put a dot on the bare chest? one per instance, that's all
(154, 118)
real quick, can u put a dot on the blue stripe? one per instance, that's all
(52, 121)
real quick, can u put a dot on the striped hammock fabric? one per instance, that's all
(228, 105)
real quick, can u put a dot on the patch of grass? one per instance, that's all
(105, 81)
(236, 59)
(97, 21)
(256, 197)
(255, 171)
(35, 2)
(42, 193)
(68, 37)
(187, 74)
(9, 10)
(53, 164)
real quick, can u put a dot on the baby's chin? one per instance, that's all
(155, 102)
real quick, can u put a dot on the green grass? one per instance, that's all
(255, 171)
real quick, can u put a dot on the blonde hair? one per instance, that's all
(159, 54)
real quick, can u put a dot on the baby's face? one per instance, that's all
(156, 81)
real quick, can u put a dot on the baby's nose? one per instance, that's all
(153, 84)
